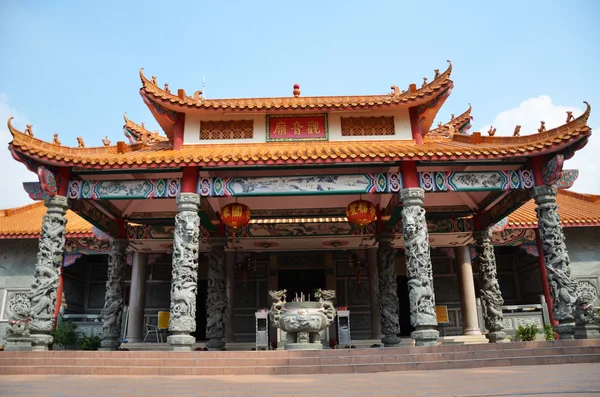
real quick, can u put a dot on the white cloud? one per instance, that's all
(13, 172)
(529, 114)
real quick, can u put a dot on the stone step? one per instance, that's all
(265, 360)
(293, 369)
(294, 362)
(306, 353)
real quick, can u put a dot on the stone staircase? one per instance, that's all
(281, 362)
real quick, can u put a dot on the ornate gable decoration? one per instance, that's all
(368, 126)
(227, 129)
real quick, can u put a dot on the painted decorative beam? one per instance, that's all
(513, 237)
(466, 181)
(300, 185)
(263, 230)
(450, 225)
(95, 216)
(154, 232)
(125, 189)
(505, 207)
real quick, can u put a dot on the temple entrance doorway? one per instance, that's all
(301, 281)
(405, 327)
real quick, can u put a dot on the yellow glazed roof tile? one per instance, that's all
(162, 153)
(26, 222)
(151, 90)
(575, 209)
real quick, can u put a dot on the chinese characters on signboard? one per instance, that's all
(297, 128)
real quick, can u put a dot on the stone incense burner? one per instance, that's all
(302, 321)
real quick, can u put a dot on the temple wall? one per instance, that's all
(583, 244)
(192, 126)
(17, 266)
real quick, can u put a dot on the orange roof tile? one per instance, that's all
(281, 153)
(26, 222)
(140, 132)
(314, 103)
(443, 131)
(575, 209)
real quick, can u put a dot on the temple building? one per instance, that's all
(357, 194)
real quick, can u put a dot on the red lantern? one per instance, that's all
(361, 213)
(235, 215)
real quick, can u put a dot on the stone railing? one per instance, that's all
(522, 315)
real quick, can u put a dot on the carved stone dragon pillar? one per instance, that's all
(491, 297)
(388, 292)
(47, 272)
(556, 257)
(184, 281)
(418, 268)
(112, 314)
(216, 297)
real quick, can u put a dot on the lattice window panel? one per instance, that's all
(367, 126)
(227, 129)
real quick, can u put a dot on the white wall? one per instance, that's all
(192, 126)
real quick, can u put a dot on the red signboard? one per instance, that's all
(310, 127)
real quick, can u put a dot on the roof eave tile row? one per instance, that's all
(318, 103)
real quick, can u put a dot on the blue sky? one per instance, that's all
(72, 66)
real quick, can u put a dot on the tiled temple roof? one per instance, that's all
(451, 127)
(140, 133)
(315, 103)
(575, 209)
(161, 154)
(26, 222)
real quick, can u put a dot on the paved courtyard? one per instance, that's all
(548, 380)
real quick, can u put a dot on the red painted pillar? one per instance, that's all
(63, 176)
(415, 126)
(410, 177)
(537, 164)
(178, 132)
(189, 180)
(544, 277)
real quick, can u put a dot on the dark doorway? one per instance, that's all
(405, 327)
(297, 281)
(200, 333)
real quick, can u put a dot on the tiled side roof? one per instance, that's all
(575, 209)
(140, 133)
(456, 123)
(281, 153)
(26, 222)
(317, 103)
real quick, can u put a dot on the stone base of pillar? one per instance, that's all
(18, 344)
(109, 345)
(425, 336)
(565, 330)
(587, 331)
(215, 344)
(181, 343)
(40, 342)
(390, 340)
(471, 331)
(496, 337)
